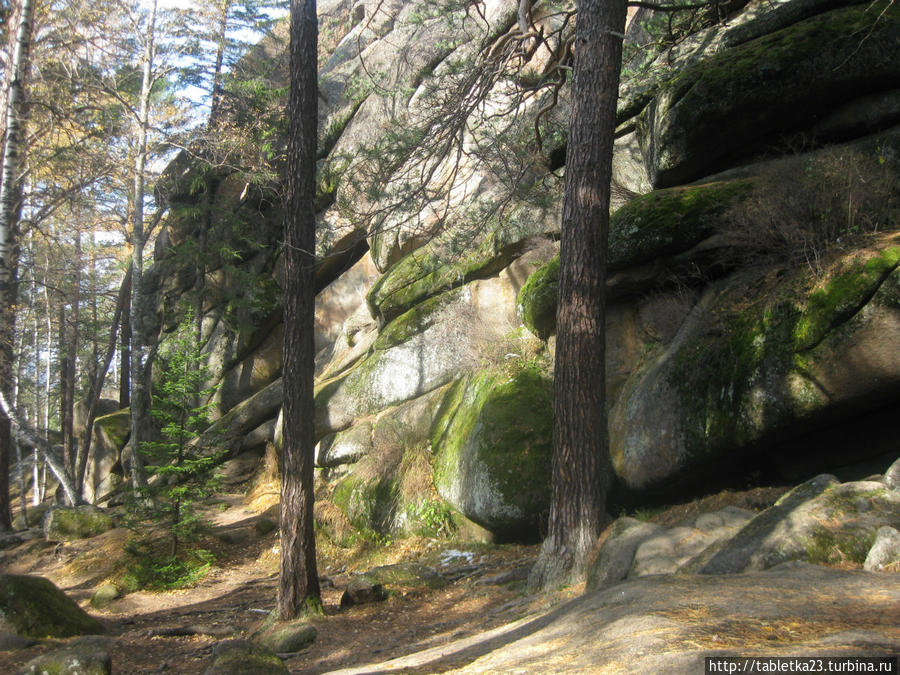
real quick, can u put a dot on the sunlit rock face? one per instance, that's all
(752, 330)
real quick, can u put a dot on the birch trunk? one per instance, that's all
(10, 205)
(140, 398)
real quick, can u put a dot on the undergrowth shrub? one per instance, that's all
(802, 206)
(181, 464)
(152, 569)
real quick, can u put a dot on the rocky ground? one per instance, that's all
(480, 621)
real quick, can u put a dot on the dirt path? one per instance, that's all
(233, 598)
(480, 622)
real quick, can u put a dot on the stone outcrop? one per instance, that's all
(735, 344)
(821, 521)
(33, 607)
(69, 523)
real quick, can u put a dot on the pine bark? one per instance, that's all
(298, 589)
(581, 471)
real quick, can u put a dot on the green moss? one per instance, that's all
(827, 547)
(430, 270)
(414, 321)
(537, 300)
(775, 82)
(660, 223)
(240, 657)
(750, 372)
(493, 443)
(406, 576)
(116, 426)
(76, 522)
(369, 504)
(669, 221)
(843, 296)
(791, 54)
(291, 637)
(34, 607)
(478, 248)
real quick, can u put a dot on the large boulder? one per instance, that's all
(105, 473)
(653, 227)
(423, 349)
(746, 366)
(34, 607)
(493, 442)
(820, 521)
(69, 523)
(740, 100)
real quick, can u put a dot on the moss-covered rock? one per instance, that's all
(536, 303)
(84, 656)
(669, 221)
(821, 521)
(728, 105)
(456, 257)
(406, 576)
(34, 607)
(370, 501)
(843, 296)
(284, 638)
(114, 428)
(419, 352)
(650, 227)
(363, 590)
(104, 472)
(756, 358)
(68, 523)
(105, 595)
(242, 657)
(493, 443)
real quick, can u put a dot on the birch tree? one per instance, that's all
(10, 205)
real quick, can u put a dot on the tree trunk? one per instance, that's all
(69, 334)
(66, 390)
(218, 90)
(10, 207)
(298, 589)
(30, 438)
(581, 472)
(125, 353)
(17, 447)
(93, 402)
(140, 357)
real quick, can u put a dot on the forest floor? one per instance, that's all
(233, 598)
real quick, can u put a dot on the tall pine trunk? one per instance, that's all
(581, 472)
(298, 588)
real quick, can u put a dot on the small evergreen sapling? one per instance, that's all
(180, 466)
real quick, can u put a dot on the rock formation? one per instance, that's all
(754, 290)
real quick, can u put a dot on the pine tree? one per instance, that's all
(181, 462)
